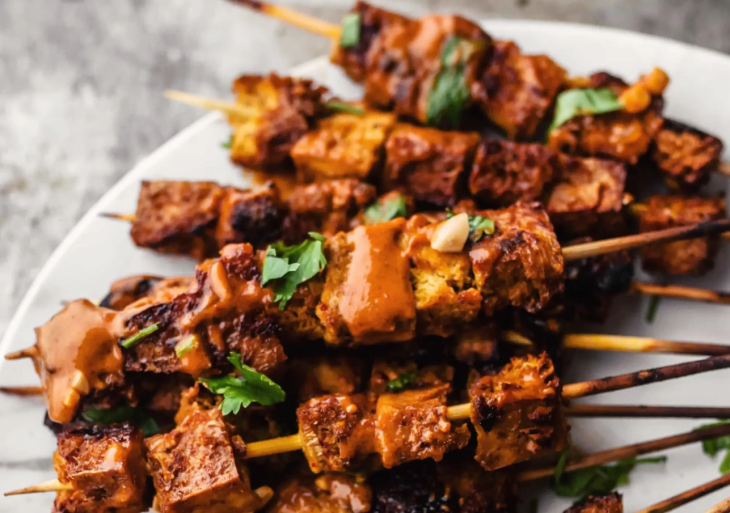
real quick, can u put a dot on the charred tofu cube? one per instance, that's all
(478, 491)
(336, 431)
(684, 155)
(693, 257)
(518, 90)
(178, 217)
(610, 503)
(254, 335)
(412, 425)
(517, 413)
(342, 146)
(372, 22)
(477, 344)
(276, 113)
(194, 468)
(253, 216)
(105, 467)
(521, 264)
(446, 297)
(368, 297)
(588, 198)
(328, 493)
(428, 164)
(505, 172)
(386, 374)
(616, 135)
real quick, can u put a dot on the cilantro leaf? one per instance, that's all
(344, 107)
(350, 34)
(713, 446)
(401, 382)
(134, 339)
(579, 102)
(241, 391)
(653, 306)
(450, 94)
(124, 413)
(286, 267)
(478, 226)
(597, 480)
(228, 144)
(391, 209)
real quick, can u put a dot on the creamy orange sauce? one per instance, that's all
(81, 338)
(377, 301)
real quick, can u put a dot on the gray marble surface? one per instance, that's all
(81, 82)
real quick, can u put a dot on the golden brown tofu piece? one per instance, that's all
(476, 344)
(342, 146)
(428, 164)
(253, 216)
(194, 468)
(518, 90)
(314, 376)
(126, 291)
(279, 111)
(693, 257)
(328, 493)
(521, 264)
(685, 155)
(389, 376)
(517, 413)
(412, 425)
(373, 21)
(368, 297)
(505, 172)
(610, 503)
(588, 198)
(336, 430)
(178, 217)
(616, 135)
(105, 467)
(446, 297)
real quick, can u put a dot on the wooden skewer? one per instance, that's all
(723, 507)
(638, 209)
(681, 412)
(688, 496)
(681, 292)
(22, 391)
(630, 451)
(28, 352)
(232, 109)
(296, 18)
(54, 485)
(130, 218)
(596, 342)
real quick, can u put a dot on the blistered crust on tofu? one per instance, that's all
(610, 503)
(517, 413)
(328, 493)
(252, 216)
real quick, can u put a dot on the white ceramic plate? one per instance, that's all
(98, 251)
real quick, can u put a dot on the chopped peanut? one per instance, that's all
(655, 81)
(450, 236)
(635, 99)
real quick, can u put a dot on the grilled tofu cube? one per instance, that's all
(478, 491)
(517, 413)
(253, 216)
(505, 172)
(278, 112)
(684, 155)
(693, 257)
(588, 198)
(428, 164)
(194, 468)
(446, 297)
(610, 503)
(314, 376)
(412, 425)
(368, 297)
(373, 21)
(336, 430)
(328, 493)
(521, 264)
(178, 217)
(386, 373)
(105, 466)
(342, 146)
(616, 135)
(518, 90)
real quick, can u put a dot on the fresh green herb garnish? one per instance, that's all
(125, 413)
(250, 387)
(715, 445)
(344, 107)
(402, 382)
(186, 345)
(377, 213)
(350, 30)
(598, 480)
(450, 95)
(129, 342)
(228, 144)
(653, 306)
(579, 102)
(478, 226)
(286, 267)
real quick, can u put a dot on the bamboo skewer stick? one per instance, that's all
(679, 412)
(54, 485)
(130, 218)
(630, 451)
(28, 352)
(292, 17)
(688, 496)
(681, 292)
(22, 391)
(723, 507)
(232, 109)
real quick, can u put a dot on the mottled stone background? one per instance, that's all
(80, 84)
